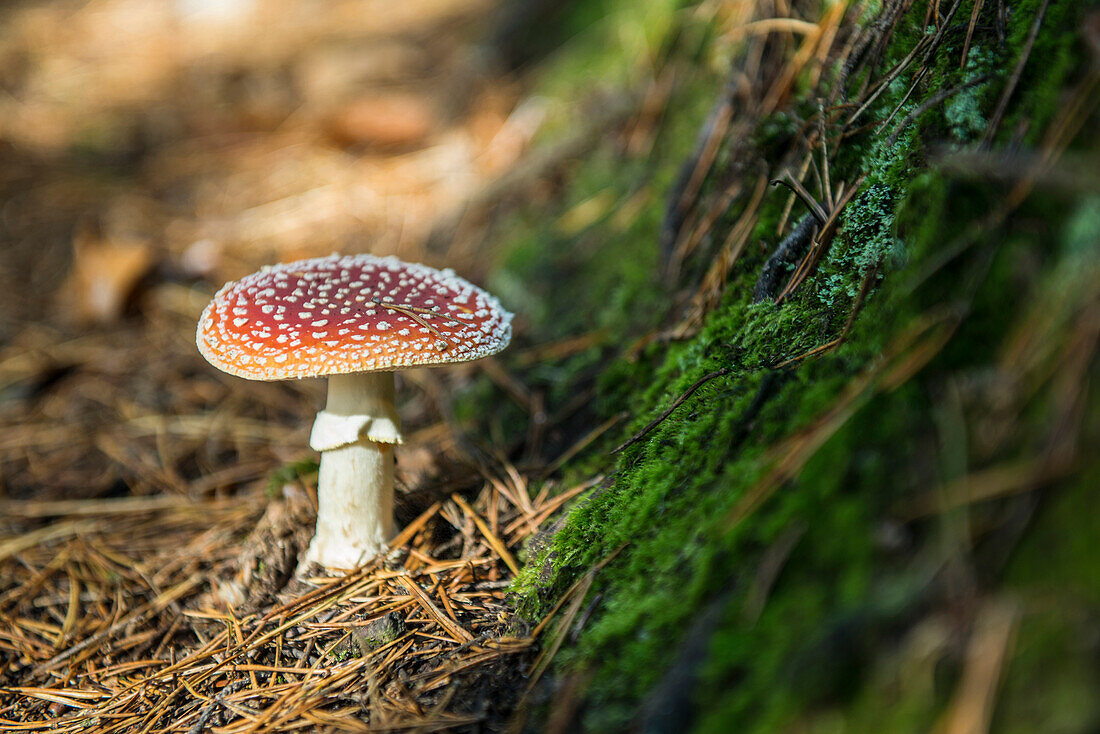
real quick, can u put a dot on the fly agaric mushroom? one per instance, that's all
(354, 319)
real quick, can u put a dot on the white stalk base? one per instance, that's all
(354, 505)
(355, 434)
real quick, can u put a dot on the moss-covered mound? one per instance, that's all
(858, 482)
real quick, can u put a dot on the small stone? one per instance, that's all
(381, 631)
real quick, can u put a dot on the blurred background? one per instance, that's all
(154, 150)
(195, 139)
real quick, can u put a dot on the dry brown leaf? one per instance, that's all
(385, 121)
(105, 275)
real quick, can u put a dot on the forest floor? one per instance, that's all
(793, 432)
(152, 508)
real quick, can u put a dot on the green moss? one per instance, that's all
(1051, 683)
(1054, 62)
(1051, 679)
(1058, 559)
(830, 649)
(963, 111)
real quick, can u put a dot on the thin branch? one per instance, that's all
(800, 191)
(676, 404)
(828, 191)
(932, 102)
(1010, 88)
(970, 32)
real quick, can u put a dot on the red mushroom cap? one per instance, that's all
(357, 313)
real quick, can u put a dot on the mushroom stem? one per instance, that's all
(354, 505)
(355, 434)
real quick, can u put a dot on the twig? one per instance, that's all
(800, 191)
(832, 343)
(931, 102)
(1017, 72)
(676, 404)
(909, 93)
(970, 32)
(790, 249)
(884, 83)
